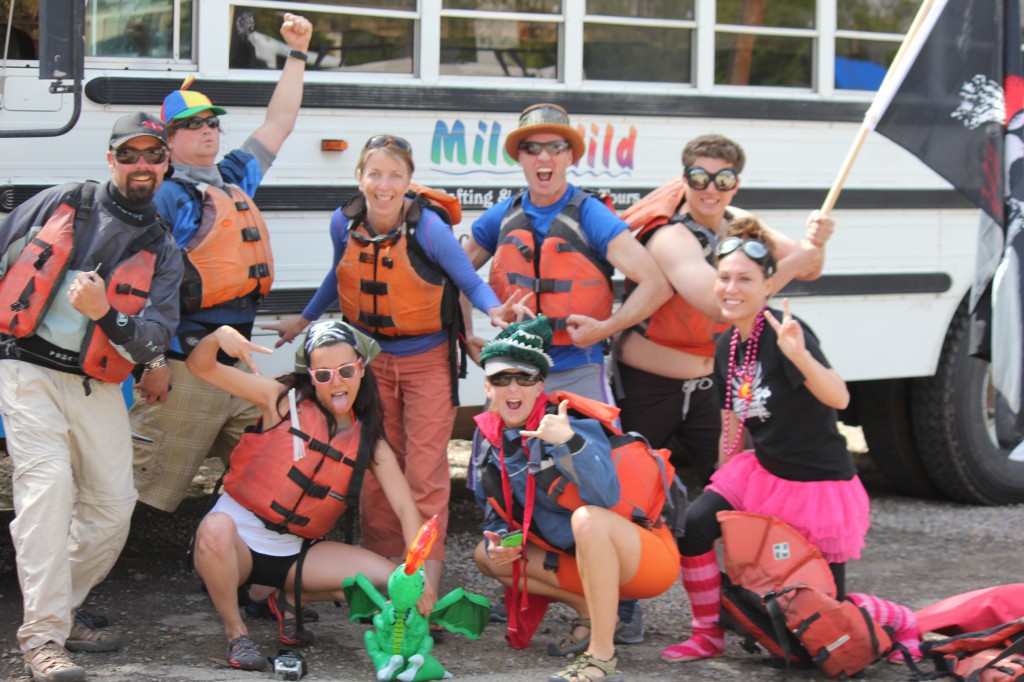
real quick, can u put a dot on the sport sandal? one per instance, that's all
(287, 632)
(245, 655)
(586, 668)
(51, 663)
(84, 638)
(570, 644)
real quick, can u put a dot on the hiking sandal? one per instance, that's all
(287, 632)
(570, 644)
(245, 655)
(586, 668)
(84, 638)
(51, 663)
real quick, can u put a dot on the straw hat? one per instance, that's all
(544, 118)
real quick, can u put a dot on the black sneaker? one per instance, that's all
(92, 621)
(245, 655)
(631, 631)
(498, 614)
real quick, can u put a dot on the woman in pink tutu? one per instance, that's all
(773, 383)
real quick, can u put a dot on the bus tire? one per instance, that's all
(954, 427)
(883, 407)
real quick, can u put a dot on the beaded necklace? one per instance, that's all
(745, 376)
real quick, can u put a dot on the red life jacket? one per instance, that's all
(29, 286)
(229, 256)
(127, 292)
(386, 283)
(566, 276)
(644, 475)
(676, 324)
(304, 497)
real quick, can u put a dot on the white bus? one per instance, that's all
(789, 79)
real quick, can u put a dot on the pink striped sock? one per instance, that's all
(896, 616)
(703, 584)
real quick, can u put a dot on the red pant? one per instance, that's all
(418, 421)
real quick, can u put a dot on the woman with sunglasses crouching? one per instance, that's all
(773, 382)
(289, 477)
(398, 271)
(584, 558)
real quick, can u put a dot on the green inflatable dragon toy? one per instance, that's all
(400, 643)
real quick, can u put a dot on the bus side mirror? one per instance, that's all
(62, 39)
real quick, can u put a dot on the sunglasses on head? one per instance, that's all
(378, 141)
(553, 147)
(196, 123)
(698, 178)
(503, 379)
(753, 249)
(326, 375)
(128, 156)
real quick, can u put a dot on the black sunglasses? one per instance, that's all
(753, 249)
(698, 178)
(128, 156)
(378, 141)
(196, 123)
(503, 379)
(553, 147)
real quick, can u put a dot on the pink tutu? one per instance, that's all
(831, 514)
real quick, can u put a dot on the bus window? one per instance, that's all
(341, 42)
(23, 41)
(147, 31)
(747, 54)
(868, 34)
(653, 44)
(483, 42)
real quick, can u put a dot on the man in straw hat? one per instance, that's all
(184, 426)
(113, 302)
(574, 288)
(578, 242)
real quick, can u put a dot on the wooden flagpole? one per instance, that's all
(868, 124)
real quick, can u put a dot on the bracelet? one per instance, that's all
(298, 54)
(157, 363)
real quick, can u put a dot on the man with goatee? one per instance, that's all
(89, 280)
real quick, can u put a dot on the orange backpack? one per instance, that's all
(778, 591)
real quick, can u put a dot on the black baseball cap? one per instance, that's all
(136, 125)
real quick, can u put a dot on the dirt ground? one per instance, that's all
(172, 632)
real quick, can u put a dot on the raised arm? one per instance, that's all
(283, 109)
(259, 390)
(824, 382)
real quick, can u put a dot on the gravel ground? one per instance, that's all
(918, 551)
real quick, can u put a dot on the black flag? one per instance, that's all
(955, 102)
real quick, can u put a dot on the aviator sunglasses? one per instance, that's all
(196, 123)
(378, 141)
(698, 178)
(128, 156)
(753, 249)
(503, 379)
(326, 375)
(553, 147)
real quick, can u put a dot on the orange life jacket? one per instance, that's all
(30, 284)
(229, 256)
(565, 275)
(304, 497)
(676, 324)
(386, 283)
(644, 474)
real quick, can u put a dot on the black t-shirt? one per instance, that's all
(795, 435)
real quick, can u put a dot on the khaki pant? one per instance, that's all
(197, 421)
(73, 492)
